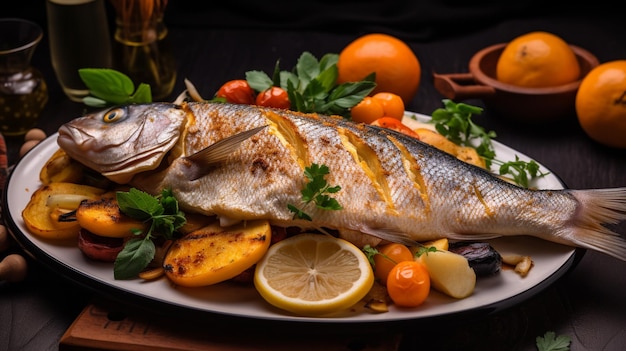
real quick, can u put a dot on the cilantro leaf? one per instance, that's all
(549, 342)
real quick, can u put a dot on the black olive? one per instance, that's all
(482, 257)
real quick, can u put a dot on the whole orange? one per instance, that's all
(396, 66)
(601, 103)
(536, 60)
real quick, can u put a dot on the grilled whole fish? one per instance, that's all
(242, 162)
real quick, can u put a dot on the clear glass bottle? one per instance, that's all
(23, 90)
(141, 48)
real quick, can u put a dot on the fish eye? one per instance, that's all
(113, 115)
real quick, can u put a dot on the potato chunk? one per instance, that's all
(61, 168)
(103, 217)
(43, 219)
(464, 153)
(450, 273)
(214, 254)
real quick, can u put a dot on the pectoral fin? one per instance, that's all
(201, 162)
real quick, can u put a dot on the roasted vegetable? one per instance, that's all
(450, 273)
(463, 153)
(103, 217)
(99, 248)
(214, 254)
(61, 168)
(482, 257)
(41, 215)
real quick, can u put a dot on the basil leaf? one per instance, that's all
(138, 204)
(107, 84)
(134, 257)
(259, 80)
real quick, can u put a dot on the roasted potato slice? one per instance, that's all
(103, 217)
(463, 153)
(60, 168)
(214, 254)
(42, 218)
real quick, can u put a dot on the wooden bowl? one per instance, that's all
(531, 105)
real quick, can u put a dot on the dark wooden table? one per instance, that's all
(587, 304)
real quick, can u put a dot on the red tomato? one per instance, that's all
(237, 91)
(274, 97)
(388, 256)
(408, 284)
(394, 124)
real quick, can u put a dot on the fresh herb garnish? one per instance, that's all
(550, 342)
(312, 85)
(424, 250)
(316, 191)
(454, 121)
(521, 171)
(370, 252)
(165, 218)
(111, 87)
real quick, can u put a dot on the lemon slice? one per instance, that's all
(313, 275)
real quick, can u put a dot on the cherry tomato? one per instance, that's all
(393, 106)
(388, 256)
(237, 91)
(408, 284)
(394, 124)
(367, 111)
(274, 97)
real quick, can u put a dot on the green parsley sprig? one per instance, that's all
(312, 85)
(110, 87)
(165, 218)
(454, 121)
(316, 191)
(550, 342)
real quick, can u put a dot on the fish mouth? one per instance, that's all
(76, 143)
(84, 148)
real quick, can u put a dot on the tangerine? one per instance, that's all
(601, 103)
(396, 66)
(392, 104)
(536, 60)
(367, 111)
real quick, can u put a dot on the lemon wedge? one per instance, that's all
(313, 275)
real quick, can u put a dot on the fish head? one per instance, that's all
(122, 141)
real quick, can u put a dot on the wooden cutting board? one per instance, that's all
(96, 328)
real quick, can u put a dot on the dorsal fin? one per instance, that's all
(202, 161)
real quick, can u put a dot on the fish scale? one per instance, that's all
(393, 187)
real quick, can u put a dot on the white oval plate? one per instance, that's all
(507, 288)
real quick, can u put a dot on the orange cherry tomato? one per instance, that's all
(393, 106)
(394, 124)
(408, 284)
(388, 256)
(367, 111)
(274, 97)
(237, 91)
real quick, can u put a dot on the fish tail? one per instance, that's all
(600, 207)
